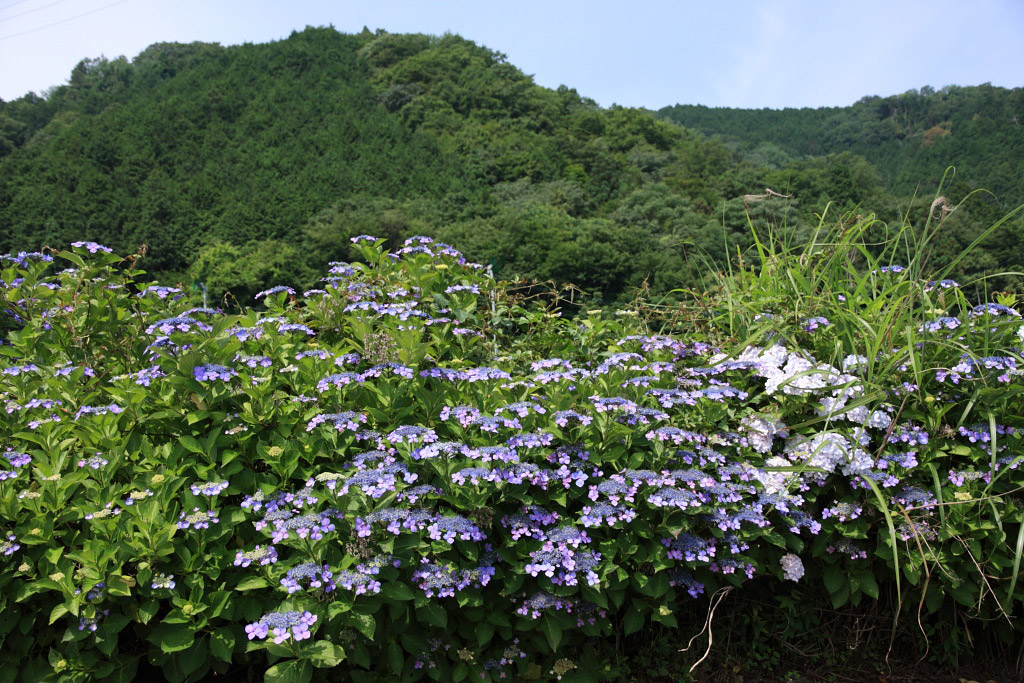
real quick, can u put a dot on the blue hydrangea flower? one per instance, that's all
(205, 373)
(690, 548)
(197, 519)
(163, 581)
(450, 527)
(412, 434)
(275, 290)
(93, 247)
(531, 440)
(315, 575)
(181, 323)
(338, 380)
(9, 546)
(313, 525)
(262, 555)
(99, 410)
(283, 626)
(358, 582)
(159, 291)
(208, 488)
(346, 421)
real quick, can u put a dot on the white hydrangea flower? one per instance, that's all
(858, 415)
(775, 483)
(879, 419)
(861, 436)
(761, 432)
(771, 359)
(792, 567)
(854, 363)
(826, 450)
(860, 463)
(792, 381)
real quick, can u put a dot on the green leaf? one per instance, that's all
(433, 614)
(291, 671)
(222, 643)
(840, 597)
(364, 623)
(484, 633)
(191, 659)
(336, 608)
(118, 586)
(361, 656)
(551, 631)
(666, 618)
(658, 585)
(57, 612)
(396, 658)
(74, 258)
(835, 580)
(498, 618)
(252, 583)
(191, 444)
(29, 589)
(325, 654)
(595, 596)
(148, 610)
(174, 637)
(633, 621)
(397, 590)
(868, 584)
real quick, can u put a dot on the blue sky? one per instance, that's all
(735, 53)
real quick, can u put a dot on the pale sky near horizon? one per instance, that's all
(739, 53)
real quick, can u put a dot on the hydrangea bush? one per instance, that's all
(408, 474)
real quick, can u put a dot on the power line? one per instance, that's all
(62, 21)
(16, 2)
(30, 11)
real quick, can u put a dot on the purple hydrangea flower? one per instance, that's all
(275, 290)
(205, 373)
(93, 247)
(9, 546)
(346, 421)
(208, 488)
(315, 575)
(283, 625)
(163, 582)
(451, 527)
(197, 519)
(262, 555)
(99, 410)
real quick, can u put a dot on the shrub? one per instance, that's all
(385, 478)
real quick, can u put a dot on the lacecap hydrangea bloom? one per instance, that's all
(283, 625)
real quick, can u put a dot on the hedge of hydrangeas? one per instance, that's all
(386, 478)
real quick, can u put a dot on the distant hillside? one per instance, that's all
(190, 143)
(249, 166)
(909, 138)
(252, 164)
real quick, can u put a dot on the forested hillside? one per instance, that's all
(910, 138)
(249, 166)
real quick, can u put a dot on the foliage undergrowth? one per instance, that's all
(414, 473)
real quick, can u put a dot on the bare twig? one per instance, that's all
(716, 599)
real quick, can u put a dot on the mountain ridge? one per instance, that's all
(250, 165)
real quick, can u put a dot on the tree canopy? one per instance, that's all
(212, 158)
